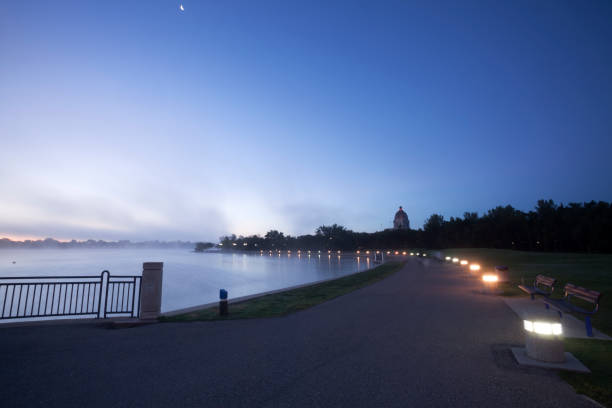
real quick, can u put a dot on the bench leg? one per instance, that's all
(589, 328)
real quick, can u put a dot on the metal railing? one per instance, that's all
(57, 296)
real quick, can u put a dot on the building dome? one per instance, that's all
(401, 220)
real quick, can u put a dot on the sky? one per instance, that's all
(136, 120)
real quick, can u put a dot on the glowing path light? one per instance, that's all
(448, 258)
(490, 278)
(463, 262)
(545, 328)
(474, 267)
(404, 253)
(455, 260)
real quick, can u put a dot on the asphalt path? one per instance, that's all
(424, 337)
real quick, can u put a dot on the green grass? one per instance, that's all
(282, 303)
(587, 270)
(597, 355)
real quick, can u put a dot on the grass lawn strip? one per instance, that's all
(283, 303)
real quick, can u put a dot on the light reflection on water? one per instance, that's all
(189, 278)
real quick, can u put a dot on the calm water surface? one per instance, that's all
(189, 278)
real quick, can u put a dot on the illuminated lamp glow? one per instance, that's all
(455, 260)
(490, 278)
(357, 252)
(418, 254)
(545, 328)
(378, 252)
(448, 258)
(463, 262)
(404, 253)
(245, 244)
(388, 252)
(396, 253)
(339, 252)
(412, 254)
(474, 267)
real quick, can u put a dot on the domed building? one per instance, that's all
(401, 220)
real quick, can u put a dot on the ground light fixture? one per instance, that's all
(424, 254)
(396, 253)
(404, 253)
(388, 252)
(368, 252)
(412, 254)
(544, 328)
(463, 262)
(455, 260)
(489, 278)
(543, 337)
(357, 252)
(474, 267)
(448, 258)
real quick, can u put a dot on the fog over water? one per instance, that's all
(189, 278)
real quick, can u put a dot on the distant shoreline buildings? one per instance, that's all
(50, 243)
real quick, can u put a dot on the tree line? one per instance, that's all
(575, 227)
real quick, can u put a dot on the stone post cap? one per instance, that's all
(152, 265)
(543, 315)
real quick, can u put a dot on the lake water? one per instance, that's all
(189, 278)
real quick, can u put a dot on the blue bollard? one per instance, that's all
(223, 302)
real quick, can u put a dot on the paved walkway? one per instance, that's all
(423, 337)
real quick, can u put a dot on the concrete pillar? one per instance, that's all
(151, 290)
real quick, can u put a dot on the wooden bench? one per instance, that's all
(566, 304)
(539, 283)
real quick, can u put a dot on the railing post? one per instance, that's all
(103, 278)
(151, 290)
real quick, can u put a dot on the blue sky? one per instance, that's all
(133, 120)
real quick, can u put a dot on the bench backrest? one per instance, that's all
(588, 295)
(545, 280)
